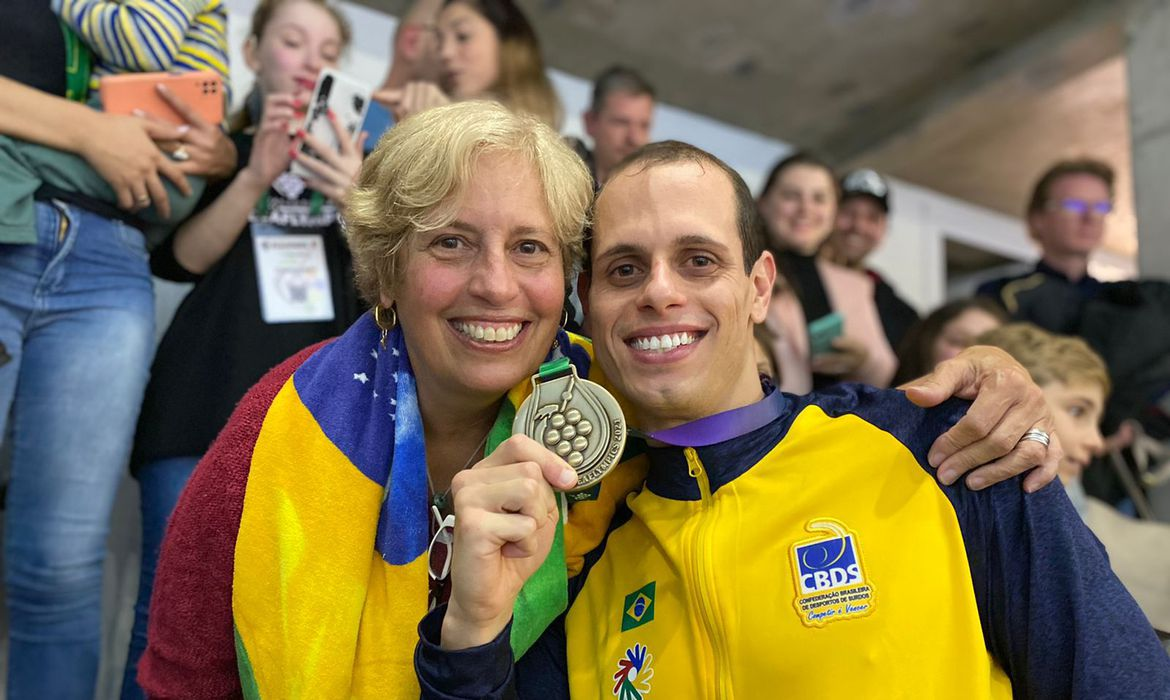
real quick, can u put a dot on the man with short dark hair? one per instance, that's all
(1126, 322)
(779, 545)
(860, 227)
(618, 120)
(1066, 217)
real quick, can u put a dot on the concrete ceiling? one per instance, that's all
(993, 148)
(972, 99)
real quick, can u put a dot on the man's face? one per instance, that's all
(621, 127)
(1068, 223)
(860, 228)
(670, 306)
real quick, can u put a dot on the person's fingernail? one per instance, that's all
(568, 478)
(976, 482)
(330, 113)
(292, 153)
(301, 133)
(934, 458)
(138, 112)
(947, 476)
(184, 128)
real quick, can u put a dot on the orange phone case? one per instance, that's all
(203, 91)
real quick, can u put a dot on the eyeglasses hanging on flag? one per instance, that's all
(439, 551)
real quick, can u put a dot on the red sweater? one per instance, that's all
(191, 652)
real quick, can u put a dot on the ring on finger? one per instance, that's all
(143, 200)
(1037, 435)
(180, 154)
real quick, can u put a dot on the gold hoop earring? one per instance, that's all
(386, 327)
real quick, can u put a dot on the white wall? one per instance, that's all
(913, 255)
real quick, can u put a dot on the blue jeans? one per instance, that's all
(77, 324)
(160, 483)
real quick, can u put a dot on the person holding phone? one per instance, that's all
(271, 269)
(117, 41)
(823, 314)
(488, 50)
(76, 300)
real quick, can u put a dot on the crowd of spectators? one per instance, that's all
(93, 204)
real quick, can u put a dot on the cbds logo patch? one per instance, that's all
(828, 564)
(829, 576)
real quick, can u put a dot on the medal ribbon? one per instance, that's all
(554, 369)
(723, 426)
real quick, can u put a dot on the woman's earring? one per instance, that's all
(384, 325)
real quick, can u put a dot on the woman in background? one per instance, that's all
(263, 222)
(82, 201)
(798, 205)
(946, 332)
(488, 50)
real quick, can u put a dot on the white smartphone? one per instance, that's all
(349, 100)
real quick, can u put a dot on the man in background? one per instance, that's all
(618, 119)
(1126, 322)
(861, 226)
(1066, 217)
(414, 65)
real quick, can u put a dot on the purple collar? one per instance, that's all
(723, 426)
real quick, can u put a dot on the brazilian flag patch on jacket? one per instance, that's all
(638, 608)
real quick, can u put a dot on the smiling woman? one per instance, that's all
(489, 50)
(463, 224)
(798, 205)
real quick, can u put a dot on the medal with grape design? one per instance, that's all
(574, 418)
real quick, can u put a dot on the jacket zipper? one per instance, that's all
(701, 574)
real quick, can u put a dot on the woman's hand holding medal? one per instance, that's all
(505, 519)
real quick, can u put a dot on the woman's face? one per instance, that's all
(799, 208)
(469, 48)
(481, 298)
(300, 39)
(960, 333)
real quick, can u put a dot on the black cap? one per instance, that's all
(867, 182)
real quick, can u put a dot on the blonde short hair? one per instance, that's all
(415, 179)
(1049, 357)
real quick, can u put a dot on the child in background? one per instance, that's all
(1076, 384)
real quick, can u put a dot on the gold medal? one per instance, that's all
(574, 418)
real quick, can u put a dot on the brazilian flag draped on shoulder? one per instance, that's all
(330, 577)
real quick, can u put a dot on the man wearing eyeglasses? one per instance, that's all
(1066, 217)
(1127, 322)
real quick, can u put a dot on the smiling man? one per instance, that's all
(863, 218)
(799, 546)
